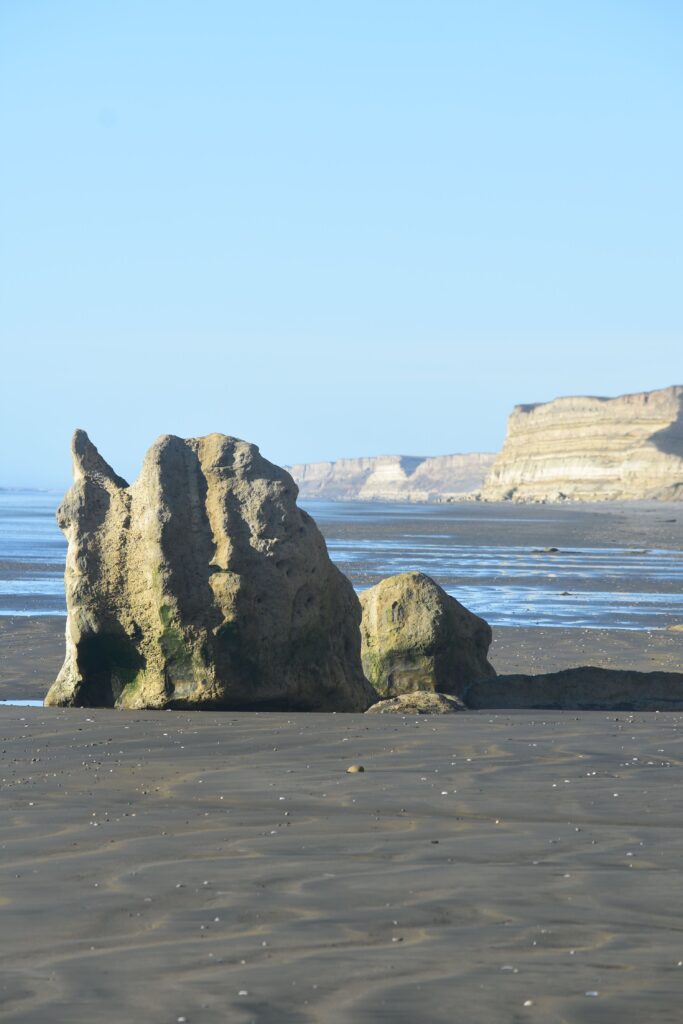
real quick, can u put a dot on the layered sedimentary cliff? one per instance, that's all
(593, 449)
(393, 477)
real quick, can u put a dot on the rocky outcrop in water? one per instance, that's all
(593, 449)
(580, 689)
(202, 585)
(416, 637)
(394, 477)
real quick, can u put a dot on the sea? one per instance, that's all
(497, 561)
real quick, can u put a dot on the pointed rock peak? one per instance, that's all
(164, 440)
(87, 460)
(164, 444)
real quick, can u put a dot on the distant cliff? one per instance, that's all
(593, 449)
(394, 477)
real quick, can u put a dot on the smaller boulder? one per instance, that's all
(418, 703)
(414, 636)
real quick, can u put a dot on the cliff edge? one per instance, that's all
(593, 449)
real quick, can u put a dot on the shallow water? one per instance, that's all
(491, 558)
(515, 586)
(32, 554)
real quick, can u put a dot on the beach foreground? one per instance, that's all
(33, 651)
(207, 867)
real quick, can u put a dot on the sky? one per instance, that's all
(331, 228)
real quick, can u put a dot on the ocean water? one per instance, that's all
(32, 554)
(483, 555)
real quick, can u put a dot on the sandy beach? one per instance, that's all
(200, 867)
(486, 867)
(32, 654)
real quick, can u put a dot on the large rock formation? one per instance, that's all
(416, 637)
(394, 477)
(593, 449)
(202, 585)
(580, 689)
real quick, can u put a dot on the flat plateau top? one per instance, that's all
(208, 867)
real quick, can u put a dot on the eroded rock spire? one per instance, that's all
(202, 585)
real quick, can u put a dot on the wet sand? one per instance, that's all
(535, 651)
(31, 655)
(209, 868)
(636, 524)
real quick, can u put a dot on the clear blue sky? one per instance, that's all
(334, 228)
